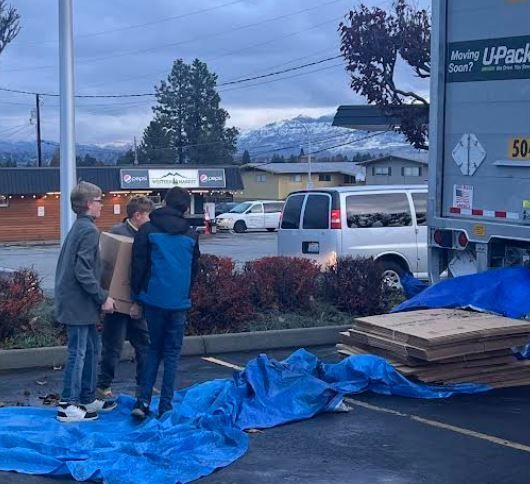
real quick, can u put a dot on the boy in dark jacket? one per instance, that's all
(165, 262)
(79, 300)
(118, 326)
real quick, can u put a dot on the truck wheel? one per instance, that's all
(240, 227)
(391, 274)
(271, 230)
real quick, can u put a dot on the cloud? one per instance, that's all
(117, 53)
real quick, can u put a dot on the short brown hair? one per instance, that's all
(82, 194)
(139, 203)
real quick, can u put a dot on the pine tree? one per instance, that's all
(127, 158)
(156, 147)
(190, 119)
(173, 98)
(246, 158)
(55, 161)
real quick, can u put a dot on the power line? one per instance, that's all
(182, 42)
(237, 51)
(150, 94)
(277, 73)
(145, 24)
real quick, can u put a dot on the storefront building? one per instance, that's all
(30, 197)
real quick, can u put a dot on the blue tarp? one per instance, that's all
(412, 286)
(205, 430)
(500, 291)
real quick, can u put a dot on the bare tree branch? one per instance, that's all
(9, 24)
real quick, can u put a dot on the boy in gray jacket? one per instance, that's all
(79, 300)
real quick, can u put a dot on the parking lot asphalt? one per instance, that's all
(382, 439)
(240, 247)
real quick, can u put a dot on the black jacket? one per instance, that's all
(165, 261)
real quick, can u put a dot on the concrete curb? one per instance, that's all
(193, 346)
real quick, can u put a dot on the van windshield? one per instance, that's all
(241, 208)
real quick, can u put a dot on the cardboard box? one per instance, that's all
(116, 252)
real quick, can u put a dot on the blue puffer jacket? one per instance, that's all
(164, 261)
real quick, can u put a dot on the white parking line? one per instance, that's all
(441, 425)
(216, 361)
(432, 423)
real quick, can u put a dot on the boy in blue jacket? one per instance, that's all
(165, 260)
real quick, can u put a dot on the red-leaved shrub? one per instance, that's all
(220, 298)
(355, 286)
(284, 283)
(20, 292)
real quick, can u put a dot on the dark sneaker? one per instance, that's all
(140, 411)
(75, 413)
(100, 406)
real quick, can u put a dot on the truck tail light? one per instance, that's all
(443, 238)
(335, 219)
(462, 240)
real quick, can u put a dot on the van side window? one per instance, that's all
(375, 211)
(420, 204)
(292, 211)
(258, 208)
(273, 207)
(316, 213)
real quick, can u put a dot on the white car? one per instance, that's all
(260, 214)
(388, 223)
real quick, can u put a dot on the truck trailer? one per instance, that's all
(479, 173)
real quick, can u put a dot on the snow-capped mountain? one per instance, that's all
(319, 136)
(25, 152)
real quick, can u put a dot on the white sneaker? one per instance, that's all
(75, 413)
(100, 406)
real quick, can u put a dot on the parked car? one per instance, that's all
(260, 214)
(223, 207)
(387, 223)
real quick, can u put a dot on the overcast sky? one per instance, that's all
(128, 46)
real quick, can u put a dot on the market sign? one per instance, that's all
(488, 60)
(168, 178)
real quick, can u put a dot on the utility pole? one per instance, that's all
(135, 152)
(39, 148)
(67, 138)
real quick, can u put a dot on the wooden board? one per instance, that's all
(434, 327)
(436, 353)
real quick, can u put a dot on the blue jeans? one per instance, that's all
(81, 365)
(166, 332)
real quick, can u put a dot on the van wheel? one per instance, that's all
(271, 230)
(240, 227)
(391, 274)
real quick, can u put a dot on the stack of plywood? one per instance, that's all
(444, 346)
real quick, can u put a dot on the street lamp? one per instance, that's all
(67, 137)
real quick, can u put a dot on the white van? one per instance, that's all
(260, 214)
(388, 223)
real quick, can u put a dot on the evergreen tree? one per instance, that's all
(189, 120)
(156, 147)
(246, 158)
(127, 158)
(276, 158)
(173, 107)
(87, 160)
(55, 158)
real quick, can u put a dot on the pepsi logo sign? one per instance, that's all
(204, 177)
(127, 178)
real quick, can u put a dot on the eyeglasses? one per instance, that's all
(98, 200)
